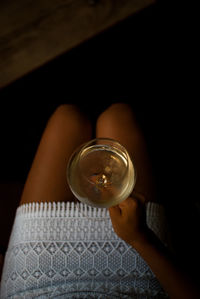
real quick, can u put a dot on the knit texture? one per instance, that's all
(67, 250)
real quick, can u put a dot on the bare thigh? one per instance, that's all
(66, 129)
(118, 122)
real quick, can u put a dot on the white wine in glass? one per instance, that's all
(101, 173)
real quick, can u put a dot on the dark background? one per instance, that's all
(143, 61)
(131, 62)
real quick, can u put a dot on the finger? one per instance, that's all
(138, 202)
(127, 206)
(126, 203)
(115, 211)
(138, 197)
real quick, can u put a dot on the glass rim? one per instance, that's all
(84, 145)
(76, 155)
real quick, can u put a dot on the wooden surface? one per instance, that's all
(33, 32)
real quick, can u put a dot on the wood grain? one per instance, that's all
(33, 32)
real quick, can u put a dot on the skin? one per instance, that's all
(68, 128)
(119, 122)
(128, 220)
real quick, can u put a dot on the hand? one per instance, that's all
(128, 219)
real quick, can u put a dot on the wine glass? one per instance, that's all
(101, 173)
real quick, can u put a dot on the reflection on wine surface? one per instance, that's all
(101, 173)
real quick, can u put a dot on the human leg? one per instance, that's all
(118, 122)
(66, 129)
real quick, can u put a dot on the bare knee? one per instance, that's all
(68, 113)
(70, 117)
(124, 107)
(117, 111)
(116, 114)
